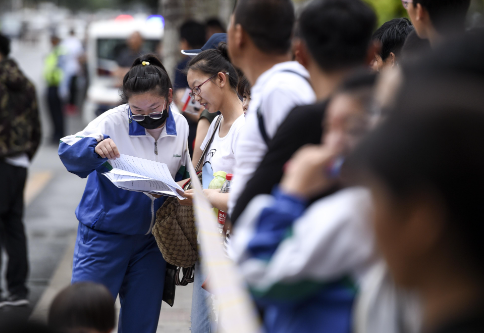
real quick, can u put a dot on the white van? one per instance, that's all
(104, 40)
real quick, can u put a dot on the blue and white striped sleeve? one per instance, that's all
(286, 252)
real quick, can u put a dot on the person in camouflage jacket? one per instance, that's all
(19, 113)
(19, 140)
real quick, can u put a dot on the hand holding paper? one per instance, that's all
(141, 175)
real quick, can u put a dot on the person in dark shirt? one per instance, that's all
(346, 31)
(192, 36)
(414, 46)
(20, 136)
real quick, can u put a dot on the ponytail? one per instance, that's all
(146, 74)
(213, 61)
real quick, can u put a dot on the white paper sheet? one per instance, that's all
(141, 175)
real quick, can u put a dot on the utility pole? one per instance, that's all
(173, 12)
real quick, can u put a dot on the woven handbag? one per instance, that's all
(175, 230)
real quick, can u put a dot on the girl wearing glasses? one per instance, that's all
(114, 244)
(214, 81)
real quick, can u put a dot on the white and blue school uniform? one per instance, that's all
(114, 243)
(304, 264)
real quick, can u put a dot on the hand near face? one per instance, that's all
(306, 175)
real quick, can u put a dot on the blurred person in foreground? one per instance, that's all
(20, 134)
(23, 326)
(334, 41)
(414, 47)
(427, 190)
(391, 35)
(437, 20)
(83, 307)
(192, 36)
(424, 168)
(53, 74)
(259, 43)
(303, 262)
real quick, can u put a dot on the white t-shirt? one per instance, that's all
(20, 160)
(277, 91)
(221, 153)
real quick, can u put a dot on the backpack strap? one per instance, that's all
(262, 125)
(260, 116)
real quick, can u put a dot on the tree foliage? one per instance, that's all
(387, 9)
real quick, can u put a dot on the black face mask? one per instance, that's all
(150, 124)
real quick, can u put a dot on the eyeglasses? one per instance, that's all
(405, 3)
(196, 91)
(153, 115)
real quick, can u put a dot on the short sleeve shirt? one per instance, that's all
(221, 153)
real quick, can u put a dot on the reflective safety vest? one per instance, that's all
(52, 71)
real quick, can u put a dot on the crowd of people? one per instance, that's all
(354, 150)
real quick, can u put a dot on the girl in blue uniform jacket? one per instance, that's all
(114, 244)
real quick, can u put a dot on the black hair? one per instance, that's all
(4, 45)
(143, 78)
(17, 324)
(83, 305)
(392, 36)
(216, 23)
(213, 61)
(194, 33)
(243, 88)
(431, 143)
(268, 23)
(337, 33)
(447, 16)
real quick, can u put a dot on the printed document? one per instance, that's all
(141, 175)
